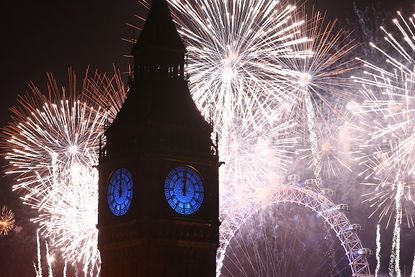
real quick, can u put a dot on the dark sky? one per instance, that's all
(49, 35)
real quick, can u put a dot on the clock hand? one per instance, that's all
(120, 190)
(184, 185)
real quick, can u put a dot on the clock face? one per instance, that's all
(184, 190)
(120, 191)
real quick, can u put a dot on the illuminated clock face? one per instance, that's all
(120, 191)
(184, 190)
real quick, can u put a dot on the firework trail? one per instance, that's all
(378, 248)
(316, 81)
(413, 268)
(38, 269)
(107, 91)
(52, 145)
(394, 262)
(6, 221)
(384, 124)
(49, 260)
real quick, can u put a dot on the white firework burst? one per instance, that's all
(52, 146)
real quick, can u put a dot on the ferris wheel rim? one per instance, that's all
(316, 202)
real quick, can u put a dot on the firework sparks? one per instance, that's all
(50, 259)
(316, 81)
(54, 141)
(6, 221)
(235, 55)
(256, 156)
(107, 91)
(394, 262)
(378, 248)
(235, 52)
(332, 149)
(384, 125)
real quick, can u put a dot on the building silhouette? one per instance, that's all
(158, 168)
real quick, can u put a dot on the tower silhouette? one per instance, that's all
(158, 169)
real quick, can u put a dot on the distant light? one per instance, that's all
(305, 79)
(326, 147)
(228, 74)
(51, 258)
(73, 149)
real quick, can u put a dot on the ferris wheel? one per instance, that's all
(300, 193)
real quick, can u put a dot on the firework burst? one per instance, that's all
(384, 124)
(332, 149)
(317, 89)
(257, 155)
(52, 143)
(235, 53)
(6, 221)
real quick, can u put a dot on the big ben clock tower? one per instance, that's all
(158, 170)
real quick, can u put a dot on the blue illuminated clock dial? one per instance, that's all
(120, 191)
(184, 190)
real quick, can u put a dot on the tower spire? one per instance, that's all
(159, 51)
(159, 97)
(158, 174)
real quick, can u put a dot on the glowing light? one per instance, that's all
(50, 259)
(394, 262)
(54, 141)
(73, 149)
(317, 92)
(235, 53)
(384, 132)
(6, 221)
(305, 79)
(383, 126)
(378, 248)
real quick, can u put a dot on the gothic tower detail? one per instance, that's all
(158, 169)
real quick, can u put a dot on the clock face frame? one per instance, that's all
(184, 190)
(120, 191)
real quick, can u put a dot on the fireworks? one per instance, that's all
(107, 91)
(317, 90)
(235, 53)
(50, 259)
(256, 156)
(384, 128)
(384, 125)
(6, 221)
(253, 257)
(378, 248)
(331, 148)
(288, 241)
(53, 147)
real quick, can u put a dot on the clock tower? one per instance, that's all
(158, 168)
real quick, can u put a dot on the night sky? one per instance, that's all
(51, 35)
